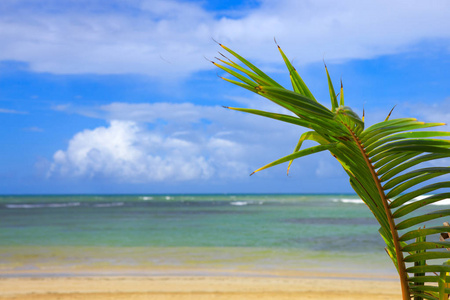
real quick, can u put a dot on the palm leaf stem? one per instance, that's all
(398, 249)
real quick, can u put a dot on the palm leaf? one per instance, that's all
(333, 97)
(310, 135)
(296, 155)
(389, 165)
(298, 84)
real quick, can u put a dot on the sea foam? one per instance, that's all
(109, 204)
(43, 205)
(239, 203)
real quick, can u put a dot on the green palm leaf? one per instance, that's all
(298, 84)
(388, 164)
(296, 155)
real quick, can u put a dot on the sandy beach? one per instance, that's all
(193, 288)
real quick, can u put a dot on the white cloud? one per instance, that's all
(173, 142)
(128, 152)
(163, 38)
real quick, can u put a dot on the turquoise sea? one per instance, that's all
(188, 234)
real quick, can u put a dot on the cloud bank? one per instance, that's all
(172, 142)
(168, 38)
(127, 152)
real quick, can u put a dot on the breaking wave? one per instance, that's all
(43, 205)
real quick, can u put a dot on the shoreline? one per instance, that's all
(198, 274)
(309, 286)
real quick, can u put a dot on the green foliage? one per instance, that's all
(381, 162)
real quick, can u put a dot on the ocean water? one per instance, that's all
(188, 234)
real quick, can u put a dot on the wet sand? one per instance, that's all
(322, 286)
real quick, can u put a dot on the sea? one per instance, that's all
(163, 235)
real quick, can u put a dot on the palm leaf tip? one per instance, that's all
(215, 41)
(341, 101)
(387, 118)
(225, 56)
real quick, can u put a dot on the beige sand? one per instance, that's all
(198, 288)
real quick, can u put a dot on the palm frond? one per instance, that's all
(388, 165)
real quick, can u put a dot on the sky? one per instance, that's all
(108, 96)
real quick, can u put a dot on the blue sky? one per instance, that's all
(117, 97)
